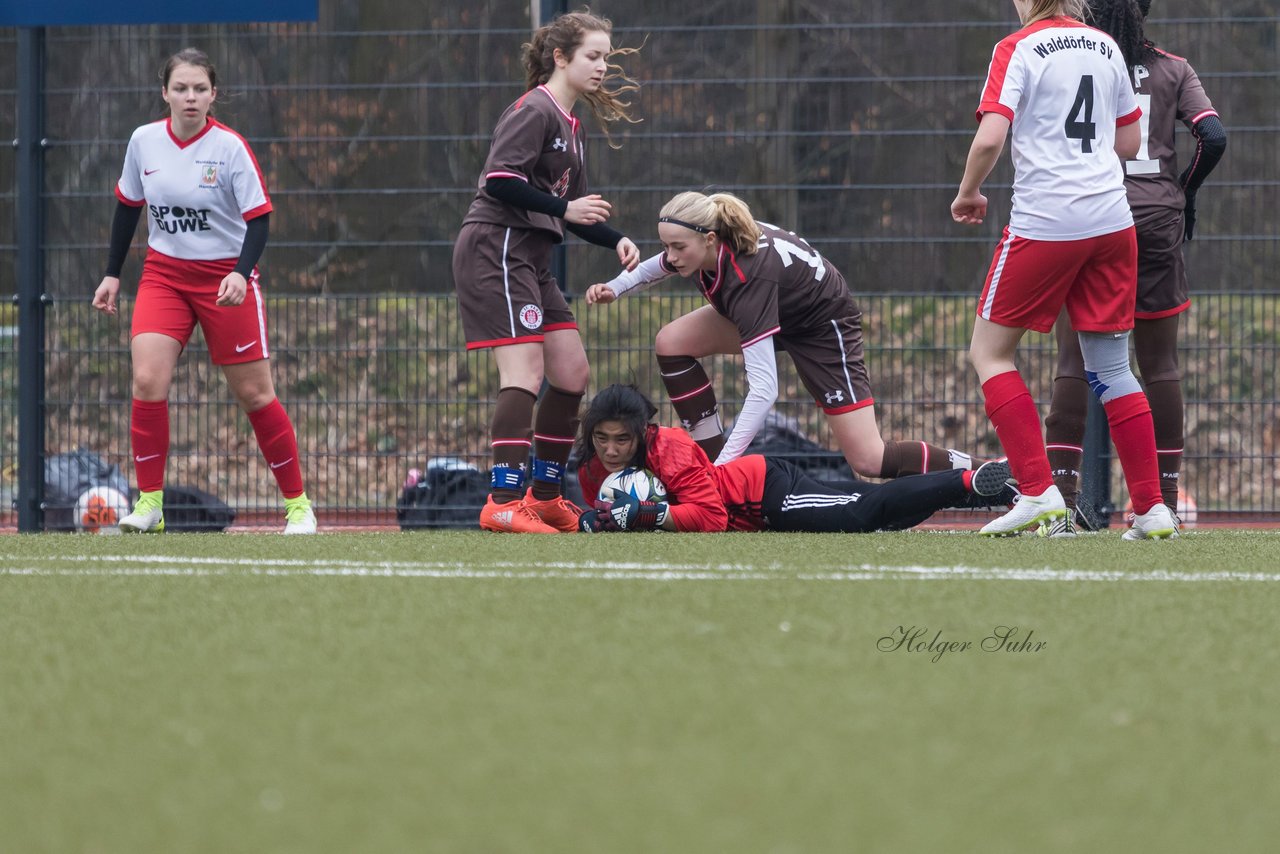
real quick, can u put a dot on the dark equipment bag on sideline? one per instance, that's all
(443, 497)
(194, 511)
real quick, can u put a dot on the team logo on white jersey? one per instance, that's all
(209, 176)
(560, 145)
(530, 316)
(834, 396)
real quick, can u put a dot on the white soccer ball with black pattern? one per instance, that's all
(100, 509)
(639, 483)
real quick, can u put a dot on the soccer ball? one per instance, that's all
(100, 509)
(641, 484)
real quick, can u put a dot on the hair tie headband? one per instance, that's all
(687, 225)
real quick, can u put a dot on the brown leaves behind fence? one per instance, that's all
(379, 384)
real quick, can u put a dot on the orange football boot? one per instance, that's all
(514, 517)
(559, 512)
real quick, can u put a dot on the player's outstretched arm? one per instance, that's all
(646, 273)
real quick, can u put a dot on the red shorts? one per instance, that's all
(174, 295)
(1031, 280)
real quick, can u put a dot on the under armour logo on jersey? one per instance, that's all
(560, 145)
(834, 396)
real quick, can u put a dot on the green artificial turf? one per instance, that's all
(458, 691)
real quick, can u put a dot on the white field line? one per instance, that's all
(177, 566)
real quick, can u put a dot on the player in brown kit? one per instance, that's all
(532, 188)
(768, 290)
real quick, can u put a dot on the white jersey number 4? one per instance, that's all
(1080, 123)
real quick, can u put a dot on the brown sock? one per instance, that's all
(915, 458)
(1166, 413)
(1064, 434)
(512, 434)
(694, 400)
(554, 430)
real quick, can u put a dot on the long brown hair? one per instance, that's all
(565, 34)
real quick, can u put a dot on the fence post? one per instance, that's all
(1095, 468)
(31, 298)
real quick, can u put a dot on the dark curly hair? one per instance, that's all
(565, 34)
(1122, 20)
(623, 403)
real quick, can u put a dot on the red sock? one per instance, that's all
(279, 446)
(1017, 421)
(149, 431)
(1135, 439)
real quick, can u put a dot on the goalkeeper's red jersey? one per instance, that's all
(703, 497)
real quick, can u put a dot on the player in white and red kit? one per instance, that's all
(208, 210)
(1162, 198)
(1061, 91)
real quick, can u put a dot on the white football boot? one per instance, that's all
(1031, 511)
(1158, 523)
(147, 516)
(298, 515)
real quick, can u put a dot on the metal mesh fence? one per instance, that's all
(846, 122)
(381, 384)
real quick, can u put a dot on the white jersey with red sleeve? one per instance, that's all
(198, 193)
(1065, 88)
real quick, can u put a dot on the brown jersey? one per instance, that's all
(1168, 91)
(786, 288)
(537, 141)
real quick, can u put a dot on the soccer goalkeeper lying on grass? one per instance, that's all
(753, 492)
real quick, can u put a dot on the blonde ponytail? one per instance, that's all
(722, 213)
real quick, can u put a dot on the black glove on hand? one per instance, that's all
(590, 522)
(1189, 217)
(627, 513)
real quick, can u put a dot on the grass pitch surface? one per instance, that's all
(460, 691)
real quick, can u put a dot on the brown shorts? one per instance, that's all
(829, 362)
(506, 293)
(1162, 274)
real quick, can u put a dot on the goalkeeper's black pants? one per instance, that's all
(795, 501)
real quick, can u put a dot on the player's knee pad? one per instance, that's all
(1106, 364)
